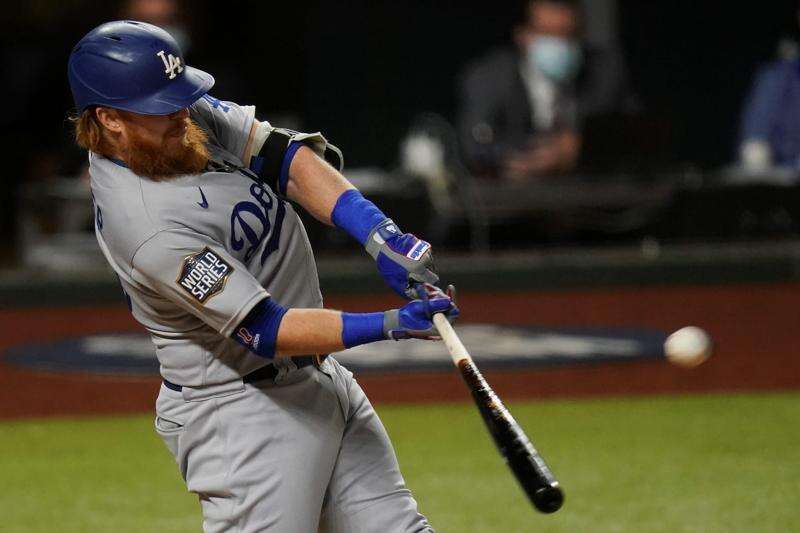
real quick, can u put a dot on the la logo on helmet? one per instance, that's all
(172, 64)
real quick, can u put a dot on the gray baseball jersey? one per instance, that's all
(303, 453)
(194, 254)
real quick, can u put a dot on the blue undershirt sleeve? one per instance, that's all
(258, 332)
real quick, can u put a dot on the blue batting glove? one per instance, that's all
(403, 259)
(415, 319)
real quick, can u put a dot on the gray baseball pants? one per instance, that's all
(302, 453)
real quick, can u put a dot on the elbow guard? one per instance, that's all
(274, 149)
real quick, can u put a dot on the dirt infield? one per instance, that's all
(755, 328)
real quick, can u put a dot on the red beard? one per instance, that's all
(159, 162)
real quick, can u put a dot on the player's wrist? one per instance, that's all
(402, 258)
(357, 216)
(363, 328)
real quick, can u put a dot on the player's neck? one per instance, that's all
(114, 152)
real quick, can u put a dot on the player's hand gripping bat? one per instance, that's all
(528, 466)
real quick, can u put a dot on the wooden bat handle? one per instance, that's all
(454, 345)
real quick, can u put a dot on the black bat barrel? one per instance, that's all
(522, 458)
(548, 499)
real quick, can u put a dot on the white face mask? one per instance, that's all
(557, 58)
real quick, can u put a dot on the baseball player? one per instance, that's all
(190, 197)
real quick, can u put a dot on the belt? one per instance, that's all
(266, 372)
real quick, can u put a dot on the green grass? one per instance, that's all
(666, 464)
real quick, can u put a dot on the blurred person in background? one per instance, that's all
(167, 14)
(188, 23)
(769, 137)
(521, 106)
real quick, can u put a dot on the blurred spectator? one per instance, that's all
(166, 14)
(769, 139)
(522, 106)
(190, 25)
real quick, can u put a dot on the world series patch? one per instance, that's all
(204, 274)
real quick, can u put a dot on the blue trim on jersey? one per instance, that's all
(116, 161)
(283, 179)
(356, 215)
(216, 103)
(361, 328)
(258, 332)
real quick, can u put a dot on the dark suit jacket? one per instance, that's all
(495, 111)
(495, 114)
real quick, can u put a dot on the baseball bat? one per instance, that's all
(522, 458)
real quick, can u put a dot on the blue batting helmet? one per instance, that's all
(133, 66)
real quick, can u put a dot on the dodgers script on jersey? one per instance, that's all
(194, 254)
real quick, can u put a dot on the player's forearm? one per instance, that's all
(321, 331)
(402, 258)
(310, 331)
(329, 197)
(315, 185)
(270, 330)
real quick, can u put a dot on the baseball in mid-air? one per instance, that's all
(688, 347)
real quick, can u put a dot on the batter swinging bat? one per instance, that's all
(528, 466)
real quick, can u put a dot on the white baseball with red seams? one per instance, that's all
(688, 347)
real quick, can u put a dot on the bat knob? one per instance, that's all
(548, 499)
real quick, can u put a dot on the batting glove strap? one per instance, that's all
(403, 259)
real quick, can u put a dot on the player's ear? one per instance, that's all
(109, 118)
